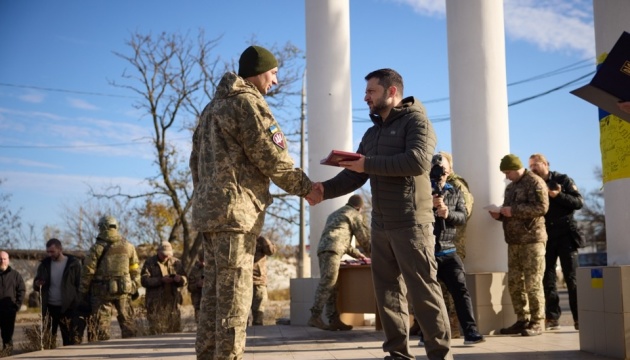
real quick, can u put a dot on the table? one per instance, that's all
(356, 294)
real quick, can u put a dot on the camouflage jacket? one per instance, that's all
(196, 274)
(398, 152)
(111, 258)
(529, 200)
(238, 148)
(460, 236)
(340, 226)
(151, 276)
(264, 248)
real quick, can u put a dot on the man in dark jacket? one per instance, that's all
(163, 276)
(396, 158)
(450, 213)
(563, 239)
(12, 292)
(58, 278)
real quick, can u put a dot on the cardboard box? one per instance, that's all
(611, 83)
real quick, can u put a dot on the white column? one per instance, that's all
(479, 120)
(612, 18)
(329, 104)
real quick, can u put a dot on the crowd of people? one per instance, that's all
(80, 294)
(416, 244)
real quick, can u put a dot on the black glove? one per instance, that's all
(135, 296)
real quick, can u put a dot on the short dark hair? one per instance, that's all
(54, 242)
(387, 78)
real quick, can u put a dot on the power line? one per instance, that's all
(65, 90)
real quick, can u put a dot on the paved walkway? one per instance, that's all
(300, 342)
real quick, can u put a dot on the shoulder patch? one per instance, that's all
(278, 139)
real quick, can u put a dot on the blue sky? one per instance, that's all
(47, 137)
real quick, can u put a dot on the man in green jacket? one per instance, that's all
(396, 158)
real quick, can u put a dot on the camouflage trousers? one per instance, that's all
(163, 317)
(259, 301)
(326, 293)
(102, 308)
(526, 267)
(226, 295)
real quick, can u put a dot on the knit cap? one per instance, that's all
(510, 162)
(355, 201)
(255, 60)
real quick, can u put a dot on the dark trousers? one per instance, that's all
(560, 247)
(7, 326)
(451, 272)
(64, 321)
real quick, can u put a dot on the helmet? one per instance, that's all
(107, 222)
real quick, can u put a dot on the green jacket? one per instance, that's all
(238, 148)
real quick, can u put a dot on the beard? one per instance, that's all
(379, 105)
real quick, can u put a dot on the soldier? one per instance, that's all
(163, 276)
(110, 275)
(264, 248)
(564, 239)
(195, 284)
(238, 148)
(335, 241)
(12, 292)
(525, 203)
(58, 277)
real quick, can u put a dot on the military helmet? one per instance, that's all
(107, 222)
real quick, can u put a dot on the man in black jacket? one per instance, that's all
(12, 291)
(57, 279)
(450, 212)
(396, 158)
(563, 239)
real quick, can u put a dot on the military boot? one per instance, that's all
(316, 320)
(258, 317)
(335, 324)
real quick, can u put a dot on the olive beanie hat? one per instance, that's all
(510, 162)
(255, 60)
(355, 201)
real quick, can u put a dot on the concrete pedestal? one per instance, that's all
(491, 301)
(604, 310)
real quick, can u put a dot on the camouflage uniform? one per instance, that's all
(162, 300)
(336, 239)
(111, 283)
(526, 236)
(238, 148)
(460, 244)
(264, 248)
(195, 278)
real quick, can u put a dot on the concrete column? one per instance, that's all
(612, 18)
(479, 120)
(480, 137)
(604, 313)
(329, 104)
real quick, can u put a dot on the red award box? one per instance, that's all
(336, 156)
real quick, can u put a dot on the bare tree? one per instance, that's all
(592, 217)
(10, 221)
(175, 77)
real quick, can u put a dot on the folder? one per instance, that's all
(611, 83)
(336, 156)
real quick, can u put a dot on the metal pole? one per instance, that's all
(302, 245)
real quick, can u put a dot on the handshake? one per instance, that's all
(316, 195)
